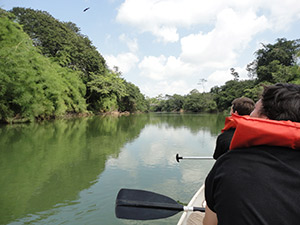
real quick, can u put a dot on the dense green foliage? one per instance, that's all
(61, 41)
(134, 100)
(32, 86)
(274, 63)
(232, 89)
(193, 102)
(64, 43)
(49, 69)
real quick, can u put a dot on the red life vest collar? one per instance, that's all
(229, 124)
(256, 131)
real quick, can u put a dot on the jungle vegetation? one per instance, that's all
(48, 69)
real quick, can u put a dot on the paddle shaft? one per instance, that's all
(158, 205)
(146, 204)
(193, 209)
(178, 158)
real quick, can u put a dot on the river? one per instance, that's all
(70, 171)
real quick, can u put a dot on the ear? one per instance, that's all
(263, 116)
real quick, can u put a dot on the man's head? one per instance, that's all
(242, 106)
(279, 102)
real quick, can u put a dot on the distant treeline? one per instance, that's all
(274, 63)
(49, 69)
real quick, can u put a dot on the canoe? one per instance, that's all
(191, 218)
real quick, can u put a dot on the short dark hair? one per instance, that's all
(281, 102)
(243, 106)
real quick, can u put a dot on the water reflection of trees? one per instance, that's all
(44, 165)
(193, 121)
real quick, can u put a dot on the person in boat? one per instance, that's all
(258, 180)
(241, 106)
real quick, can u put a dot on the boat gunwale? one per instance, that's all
(184, 217)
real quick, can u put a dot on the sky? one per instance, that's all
(175, 46)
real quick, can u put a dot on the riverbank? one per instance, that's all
(17, 119)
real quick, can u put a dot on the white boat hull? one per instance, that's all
(190, 218)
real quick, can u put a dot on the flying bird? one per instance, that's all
(86, 9)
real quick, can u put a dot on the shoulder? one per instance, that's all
(253, 164)
(227, 134)
(253, 161)
(244, 177)
(223, 143)
(256, 155)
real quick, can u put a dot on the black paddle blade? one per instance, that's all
(144, 205)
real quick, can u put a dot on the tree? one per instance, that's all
(173, 103)
(61, 41)
(234, 74)
(202, 81)
(231, 90)
(105, 91)
(199, 102)
(31, 85)
(282, 53)
(134, 100)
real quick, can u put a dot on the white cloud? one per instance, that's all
(153, 67)
(180, 87)
(132, 44)
(174, 87)
(162, 18)
(220, 47)
(215, 51)
(124, 61)
(218, 78)
(213, 36)
(162, 68)
(282, 13)
(167, 34)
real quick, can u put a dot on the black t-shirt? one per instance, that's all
(257, 185)
(223, 143)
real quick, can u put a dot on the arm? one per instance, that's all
(210, 217)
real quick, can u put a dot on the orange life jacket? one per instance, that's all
(252, 131)
(229, 123)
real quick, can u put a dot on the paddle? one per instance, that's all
(192, 157)
(145, 205)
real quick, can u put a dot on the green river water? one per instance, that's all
(70, 171)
